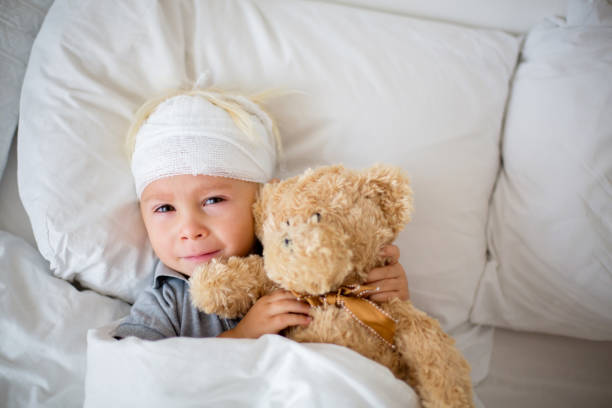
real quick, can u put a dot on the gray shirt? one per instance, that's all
(165, 310)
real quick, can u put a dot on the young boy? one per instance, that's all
(198, 160)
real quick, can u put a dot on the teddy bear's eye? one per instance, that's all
(288, 223)
(316, 217)
(286, 242)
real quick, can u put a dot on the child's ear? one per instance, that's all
(390, 188)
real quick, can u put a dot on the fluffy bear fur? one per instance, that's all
(322, 230)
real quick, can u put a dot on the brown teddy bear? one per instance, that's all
(321, 233)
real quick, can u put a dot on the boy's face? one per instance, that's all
(192, 219)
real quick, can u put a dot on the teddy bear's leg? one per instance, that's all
(229, 287)
(436, 369)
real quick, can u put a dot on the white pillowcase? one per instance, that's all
(514, 16)
(550, 229)
(375, 87)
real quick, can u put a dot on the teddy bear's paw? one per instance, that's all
(227, 287)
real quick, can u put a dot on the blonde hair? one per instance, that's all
(221, 98)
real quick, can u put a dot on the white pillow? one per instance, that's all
(515, 16)
(377, 87)
(550, 230)
(589, 13)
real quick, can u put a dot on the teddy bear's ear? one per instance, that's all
(390, 188)
(259, 208)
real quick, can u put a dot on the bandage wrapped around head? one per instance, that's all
(205, 132)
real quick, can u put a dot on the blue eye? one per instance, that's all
(213, 200)
(164, 208)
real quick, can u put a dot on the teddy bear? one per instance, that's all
(322, 232)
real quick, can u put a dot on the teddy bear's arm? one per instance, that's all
(229, 287)
(436, 368)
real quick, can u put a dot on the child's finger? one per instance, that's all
(391, 253)
(388, 288)
(379, 274)
(384, 296)
(385, 272)
(288, 306)
(385, 285)
(282, 321)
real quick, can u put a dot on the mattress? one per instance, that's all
(540, 370)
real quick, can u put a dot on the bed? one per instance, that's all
(498, 110)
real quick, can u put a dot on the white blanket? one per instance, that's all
(269, 372)
(43, 328)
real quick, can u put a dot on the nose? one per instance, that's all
(192, 228)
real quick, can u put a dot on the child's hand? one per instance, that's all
(271, 314)
(390, 279)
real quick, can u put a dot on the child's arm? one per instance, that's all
(390, 279)
(271, 314)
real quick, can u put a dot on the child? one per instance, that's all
(198, 160)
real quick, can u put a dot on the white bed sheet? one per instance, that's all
(13, 217)
(43, 326)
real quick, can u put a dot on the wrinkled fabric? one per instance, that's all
(43, 325)
(271, 371)
(19, 24)
(550, 224)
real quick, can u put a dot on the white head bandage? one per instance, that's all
(188, 134)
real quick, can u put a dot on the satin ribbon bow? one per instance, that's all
(364, 311)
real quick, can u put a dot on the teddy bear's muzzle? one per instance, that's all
(308, 258)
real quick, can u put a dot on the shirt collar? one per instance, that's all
(162, 272)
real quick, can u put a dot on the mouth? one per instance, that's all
(203, 257)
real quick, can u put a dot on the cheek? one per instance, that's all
(241, 234)
(157, 240)
(157, 243)
(158, 236)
